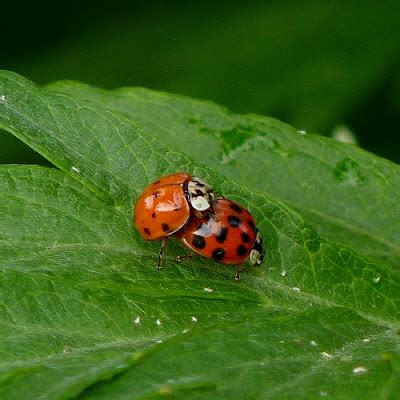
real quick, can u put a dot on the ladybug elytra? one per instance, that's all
(228, 236)
(165, 205)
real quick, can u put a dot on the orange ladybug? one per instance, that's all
(165, 205)
(228, 236)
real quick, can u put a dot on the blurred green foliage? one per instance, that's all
(312, 64)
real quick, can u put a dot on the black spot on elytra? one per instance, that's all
(222, 235)
(177, 208)
(245, 237)
(241, 250)
(146, 231)
(155, 194)
(218, 254)
(165, 227)
(235, 207)
(198, 242)
(153, 215)
(252, 226)
(234, 221)
(199, 192)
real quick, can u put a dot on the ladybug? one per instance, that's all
(165, 206)
(228, 236)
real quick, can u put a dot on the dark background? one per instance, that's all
(313, 64)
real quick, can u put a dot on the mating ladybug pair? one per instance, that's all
(216, 228)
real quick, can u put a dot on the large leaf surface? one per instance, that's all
(319, 318)
(340, 189)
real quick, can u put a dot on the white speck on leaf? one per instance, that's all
(158, 322)
(158, 341)
(281, 341)
(323, 393)
(137, 320)
(185, 331)
(2, 98)
(296, 289)
(313, 343)
(194, 319)
(284, 273)
(343, 134)
(302, 132)
(326, 355)
(208, 290)
(366, 340)
(377, 279)
(359, 370)
(75, 169)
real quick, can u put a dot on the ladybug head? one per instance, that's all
(199, 194)
(256, 256)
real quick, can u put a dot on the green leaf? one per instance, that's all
(84, 312)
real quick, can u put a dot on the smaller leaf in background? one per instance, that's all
(309, 63)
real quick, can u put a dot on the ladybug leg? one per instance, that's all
(238, 271)
(185, 257)
(161, 253)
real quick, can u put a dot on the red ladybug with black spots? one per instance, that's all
(164, 207)
(228, 235)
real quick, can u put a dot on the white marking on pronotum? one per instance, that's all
(359, 370)
(194, 319)
(200, 194)
(137, 320)
(326, 355)
(75, 169)
(158, 322)
(208, 290)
